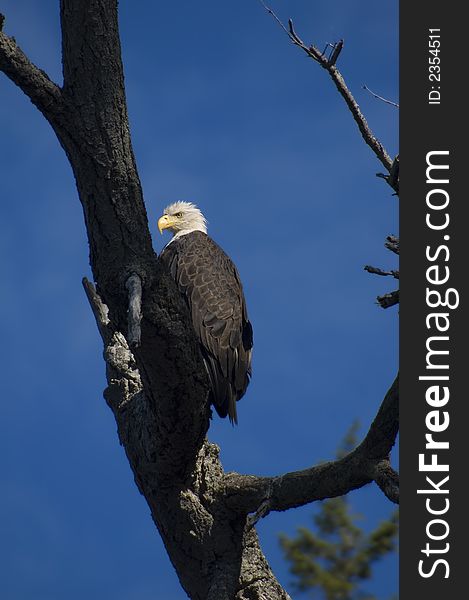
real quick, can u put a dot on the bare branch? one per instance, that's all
(328, 64)
(392, 178)
(388, 300)
(388, 480)
(260, 495)
(360, 120)
(392, 244)
(34, 82)
(263, 510)
(391, 298)
(380, 97)
(123, 377)
(377, 271)
(381, 436)
(134, 315)
(296, 39)
(100, 310)
(337, 49)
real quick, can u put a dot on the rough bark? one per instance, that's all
(157, 385)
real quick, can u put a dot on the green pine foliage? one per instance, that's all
(334, 560)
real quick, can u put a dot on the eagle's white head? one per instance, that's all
(181, 218)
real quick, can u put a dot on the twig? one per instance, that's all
(134, 313)
(380, 97)
(271, 12)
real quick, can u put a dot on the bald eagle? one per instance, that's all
(210, 283)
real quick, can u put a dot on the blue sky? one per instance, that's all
(225, 113)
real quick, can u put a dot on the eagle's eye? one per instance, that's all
(178, 215)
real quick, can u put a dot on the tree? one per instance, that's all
(157, 386)
(336, 560)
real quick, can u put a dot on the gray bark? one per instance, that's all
(157, 385)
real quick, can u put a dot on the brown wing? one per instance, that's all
(210, 282)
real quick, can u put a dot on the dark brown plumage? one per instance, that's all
(210, 282)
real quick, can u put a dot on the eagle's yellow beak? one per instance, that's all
(165, 222)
